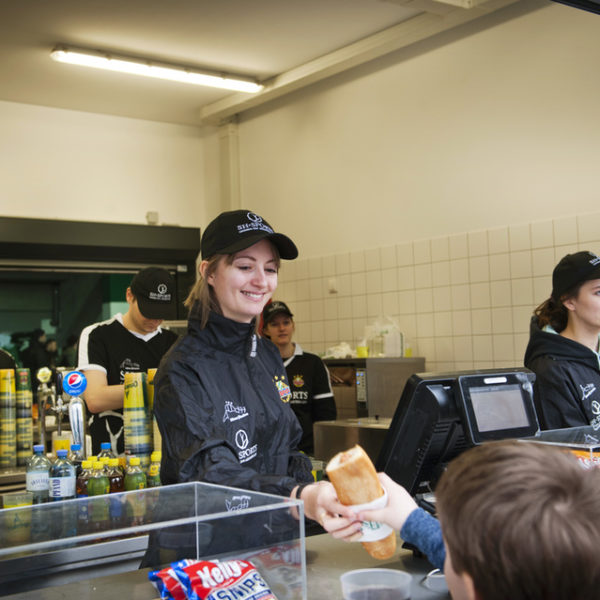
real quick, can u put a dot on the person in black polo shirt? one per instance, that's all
(132, 342)
(312, 396)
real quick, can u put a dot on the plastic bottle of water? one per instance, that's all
(76, 458)
(62, 478)
(38, 475)
(105, 450)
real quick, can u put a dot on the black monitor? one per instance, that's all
(440, 415)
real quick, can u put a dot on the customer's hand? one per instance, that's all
(399, 505)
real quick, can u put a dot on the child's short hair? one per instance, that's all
(523, 520)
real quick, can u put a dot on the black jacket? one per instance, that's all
(567, 386)
(222, 407)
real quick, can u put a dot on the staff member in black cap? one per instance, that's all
(221, 396)
(563, 345)
(312, 397)
(132, 342)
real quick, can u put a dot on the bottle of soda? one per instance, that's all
(115, 476)
(153, 478)
(105, 450)
(81, 485)
(62, 478)
(105, 461)
(76, 458)
(135, 478)
(98, 486)
(37, 475)
(98, 483)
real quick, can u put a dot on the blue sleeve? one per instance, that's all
(423, 531)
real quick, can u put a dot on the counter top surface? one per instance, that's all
(326, 560)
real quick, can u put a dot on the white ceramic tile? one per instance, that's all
(520, 340)
(342, 263)
(461, 322)
(388, 257)
(444, 351)
(374, 306)
(328, 265)
(282, 289)
(481, 319)
(500, 293)
(344, 308)
(542, 261)
(565, 231)
(483, 365)
(478, 243)
(440, 249)
(520, 264)
(424, 300)
(315, 288)
(483, 349)
(358, 328)
(459, 271)
(588, 227)
(330, 308)
(440, 273)
(301, 311)
(442, 322)
(359, 306)
(407, 302)
(331, 332)
(442, 298)
(359, 283)
(563, 250)
(422, 251)
(522, 292)
(461, 297)
(480, 295)
(405, 254)
(459, 246)
(344, 284)
(389, 280)
(303, 289)
(423, 277)
(498, 240)
(425, 327)
(502, 320)
(408, 326)
(389, 302)
(519, 237)
(317, 310)
(291, 289)
(406, 278)
(372, 259)
(315, 266)
(345, 331)
(463, 347)
(427, 348)
(479, 269)
(317, 332)
(302, 271)
(522, 318)
(303, 335)
(374, 282)
(499, 266)
(542, 288)
(504, 348)
(357, 261)
(542, 234)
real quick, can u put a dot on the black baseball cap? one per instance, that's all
(274, 308)
(154, 290)
(572, 270)
(235, 230)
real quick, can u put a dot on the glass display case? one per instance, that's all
(61, 542)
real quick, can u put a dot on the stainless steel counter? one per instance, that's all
(326, 560)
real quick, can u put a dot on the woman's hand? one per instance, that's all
(400, 504)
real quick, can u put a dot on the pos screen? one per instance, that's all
(497, 407)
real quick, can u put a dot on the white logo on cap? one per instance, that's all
(256, 224)
(162, 288)
(254, 217)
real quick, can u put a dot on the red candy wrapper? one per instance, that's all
(226, 580)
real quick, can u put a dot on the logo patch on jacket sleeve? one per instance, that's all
(283, 388)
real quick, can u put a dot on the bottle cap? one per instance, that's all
(134, 461)
(156, 456)
(113, 462)
(86, 464)
(104, 460)
(75, 447)
(98, 466)
(74, 383)
(61, 453)
(38, 448)
(105, 445)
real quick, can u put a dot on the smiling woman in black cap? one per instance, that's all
(222, 400)
(563, 345)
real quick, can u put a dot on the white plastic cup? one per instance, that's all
(376, 584)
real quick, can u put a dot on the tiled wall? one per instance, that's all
(463, 301)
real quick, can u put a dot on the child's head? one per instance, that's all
(520, 521)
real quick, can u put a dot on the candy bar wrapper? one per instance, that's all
(167, 582)
(226, 580)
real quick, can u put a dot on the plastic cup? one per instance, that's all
(362, 351)
(376, 584)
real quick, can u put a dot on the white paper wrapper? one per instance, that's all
(373, 530)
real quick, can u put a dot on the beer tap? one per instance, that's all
(45, 392)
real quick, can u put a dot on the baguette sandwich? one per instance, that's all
(355, 480)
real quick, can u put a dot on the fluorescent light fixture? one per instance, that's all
(147, 68)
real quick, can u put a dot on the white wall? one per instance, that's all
(438, 186)
(62, 164)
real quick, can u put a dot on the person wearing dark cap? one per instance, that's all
(312, 397)
(221, 395)
(563, 345)
(130, 342)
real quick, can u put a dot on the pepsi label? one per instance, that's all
(74, 383)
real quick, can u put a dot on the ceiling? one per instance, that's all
(287, 44)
